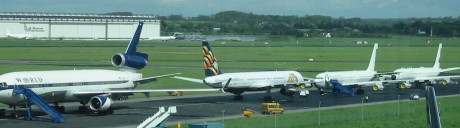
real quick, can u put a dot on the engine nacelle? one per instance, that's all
(378, 87)
(404, 85)
(100, 103)
(136, 60)
(288, 90)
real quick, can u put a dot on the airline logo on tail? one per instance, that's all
(210, 62)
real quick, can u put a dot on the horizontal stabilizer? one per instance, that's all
(342, 88)
(189, 79)
(450, 69)
(151, 79)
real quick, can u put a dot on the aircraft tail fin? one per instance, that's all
(371, 66)
(132, 47)
(211, 67)
(438, 56)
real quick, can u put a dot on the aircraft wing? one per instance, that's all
(189, 79)
(421, 79)
(82, 92)
(151, 79)
(366, 83)
(436, 78)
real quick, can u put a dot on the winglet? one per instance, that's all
(438, 56)
(226, 85)
(371, 66)
(132, 47)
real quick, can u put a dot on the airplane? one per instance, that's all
(18, 36)
(406, 77)
(95, 87)
(343, 81)
(165, 38)
(239, 82)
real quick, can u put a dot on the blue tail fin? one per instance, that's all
(132, 47)
(210, 62)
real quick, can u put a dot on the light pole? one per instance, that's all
(398, 103)
(223, 115)
(362, 109)
(319, 113)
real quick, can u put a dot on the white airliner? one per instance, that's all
(94, 87)
(165, 38)
(237, 83)
(348, 79)
(405, 77)
(19, 36)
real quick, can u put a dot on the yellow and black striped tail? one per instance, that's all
(209, 60)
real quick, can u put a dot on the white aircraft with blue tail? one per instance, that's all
(95, 87)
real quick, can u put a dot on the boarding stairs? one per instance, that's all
(158, 119)
(42, 104)
(346, 90)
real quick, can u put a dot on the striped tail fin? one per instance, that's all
(210, 62)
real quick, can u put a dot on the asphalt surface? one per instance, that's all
(200, 108)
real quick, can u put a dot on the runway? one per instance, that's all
(198, 108)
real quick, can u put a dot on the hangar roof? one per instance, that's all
(74, 17)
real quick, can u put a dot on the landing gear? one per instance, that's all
(268, 98)
(83, 109)
(60, 109)
(108, 111)
(238, 97)
(360, 91)
(321, 92)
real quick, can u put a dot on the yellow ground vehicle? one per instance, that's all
(248, 113)
(272, 108)
(175, 93)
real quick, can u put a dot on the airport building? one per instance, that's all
(74, 26)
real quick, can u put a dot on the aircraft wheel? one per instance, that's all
(14, 115)
(82, 109)
(61, 109)
(110, 111)
(238, 97)
(268, 98)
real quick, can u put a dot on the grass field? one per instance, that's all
(412, 114)
(328, 54)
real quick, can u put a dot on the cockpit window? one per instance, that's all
(319, 77)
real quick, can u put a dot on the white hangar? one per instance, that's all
(76, 26)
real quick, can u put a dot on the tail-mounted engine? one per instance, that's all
(131, 58)
(136, 60)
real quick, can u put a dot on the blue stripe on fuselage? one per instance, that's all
(62, 84)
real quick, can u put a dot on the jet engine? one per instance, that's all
(100, 103)
(288, 90)
(134, 60)
(393, 77)
(378, 87)
(404, 85)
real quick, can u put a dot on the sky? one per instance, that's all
(190, 8)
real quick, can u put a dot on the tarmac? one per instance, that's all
(208, 107)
